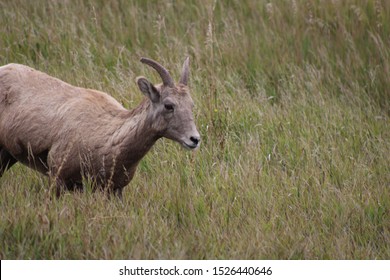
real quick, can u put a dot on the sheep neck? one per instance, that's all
(136, 135)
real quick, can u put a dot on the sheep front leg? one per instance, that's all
(60, 186)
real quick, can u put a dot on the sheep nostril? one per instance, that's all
(195, 140)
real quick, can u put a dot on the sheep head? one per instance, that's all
(171, 110)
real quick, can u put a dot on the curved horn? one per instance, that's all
(164, 74)
(185, 73)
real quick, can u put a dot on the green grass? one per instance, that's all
(292, 102)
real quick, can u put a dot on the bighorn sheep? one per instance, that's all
(69, 132)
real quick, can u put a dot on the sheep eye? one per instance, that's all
(169, 107)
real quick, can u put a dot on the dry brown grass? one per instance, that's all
(292, 101)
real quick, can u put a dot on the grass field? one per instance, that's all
(292, 102)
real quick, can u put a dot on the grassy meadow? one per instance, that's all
(292, 103)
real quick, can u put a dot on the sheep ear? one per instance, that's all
(185, 73)
(148, 89)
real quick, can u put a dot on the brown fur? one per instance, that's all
(68, 132)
